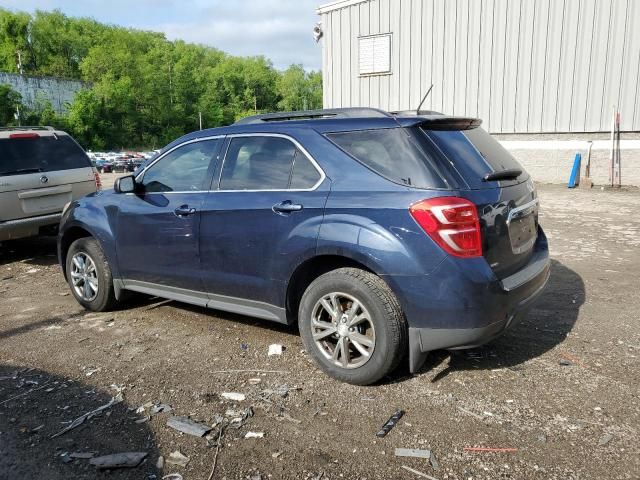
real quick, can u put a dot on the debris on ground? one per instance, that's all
(281, 391)
(489, 449)
(237, 418)
(276, 454)
(80, 420)
(418, 473)
(188, 426)
(565, 363)
(604, 439)
(118, 460)
(83, 455)
(275, 349)
(413, 452)
(160, 463)
(254, 435)
(434, 461)
(160, 408)
(389, 424)
(254, 381)
(178, 458)
(469, 412)
(236, 397)
(172, 476)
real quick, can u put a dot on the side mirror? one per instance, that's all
(125, 184)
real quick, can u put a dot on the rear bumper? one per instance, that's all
(27, 227)
(463, 304)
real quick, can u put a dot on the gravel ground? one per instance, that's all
(561, 388)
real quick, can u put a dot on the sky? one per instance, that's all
(281, 30)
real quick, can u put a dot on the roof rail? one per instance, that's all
(50, 129)
(314, 114)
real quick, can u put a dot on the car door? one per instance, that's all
(263, 219)
(158, 226)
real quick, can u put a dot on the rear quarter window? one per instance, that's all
(396, 154)
(40, 154)
(474, 153)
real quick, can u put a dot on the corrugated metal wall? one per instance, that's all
(520, 65)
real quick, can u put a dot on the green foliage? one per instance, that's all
(299, 90)
(9, 100)
(145, 90)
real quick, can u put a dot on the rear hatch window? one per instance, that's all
(46, 153)
(398, 154)
(475, 154)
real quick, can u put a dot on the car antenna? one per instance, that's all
(423, 99)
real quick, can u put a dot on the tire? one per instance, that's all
(383, 335)
(101, 295)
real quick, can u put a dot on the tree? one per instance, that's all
(299, 90)
(9, 100)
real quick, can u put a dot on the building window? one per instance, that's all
(375, 54)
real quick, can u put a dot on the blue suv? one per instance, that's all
(381, 235)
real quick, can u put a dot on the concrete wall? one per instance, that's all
(58, 91)
(549, 158)
(523, 66)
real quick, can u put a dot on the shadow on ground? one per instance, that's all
(40, 251)
(34, 405)
(546, 326)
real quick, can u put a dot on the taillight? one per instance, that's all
(98, 180)
(452, 222)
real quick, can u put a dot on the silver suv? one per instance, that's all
(41, 170)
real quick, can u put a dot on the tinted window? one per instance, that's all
(304, 174)
(258, 163)
(473, 152)
(40, 154)
(394, 153)
(185, 169)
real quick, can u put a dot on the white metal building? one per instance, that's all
(523, 66)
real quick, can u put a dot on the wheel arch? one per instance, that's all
(67, 237)
(308, 271)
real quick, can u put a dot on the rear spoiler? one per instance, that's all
(440, 122)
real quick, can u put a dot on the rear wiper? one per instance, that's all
(503, 175)
(23, 170)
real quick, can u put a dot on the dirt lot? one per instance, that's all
(580, 420)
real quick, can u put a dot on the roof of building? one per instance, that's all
(328, 7)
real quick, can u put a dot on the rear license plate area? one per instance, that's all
(523, 232)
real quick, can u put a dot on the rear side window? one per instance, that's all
(474, 153)
(40, 154)
(396, 154)
(266, 163)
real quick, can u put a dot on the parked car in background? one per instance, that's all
(368, 229)
(103, 166)
(41, 170)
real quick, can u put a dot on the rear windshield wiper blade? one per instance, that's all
(509, 174)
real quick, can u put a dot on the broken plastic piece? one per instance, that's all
(118, 460)
(188, 426)
(236, 397)
(413, 452)
(386, 428)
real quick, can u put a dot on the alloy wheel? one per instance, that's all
(343, 330)
(84, 276)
